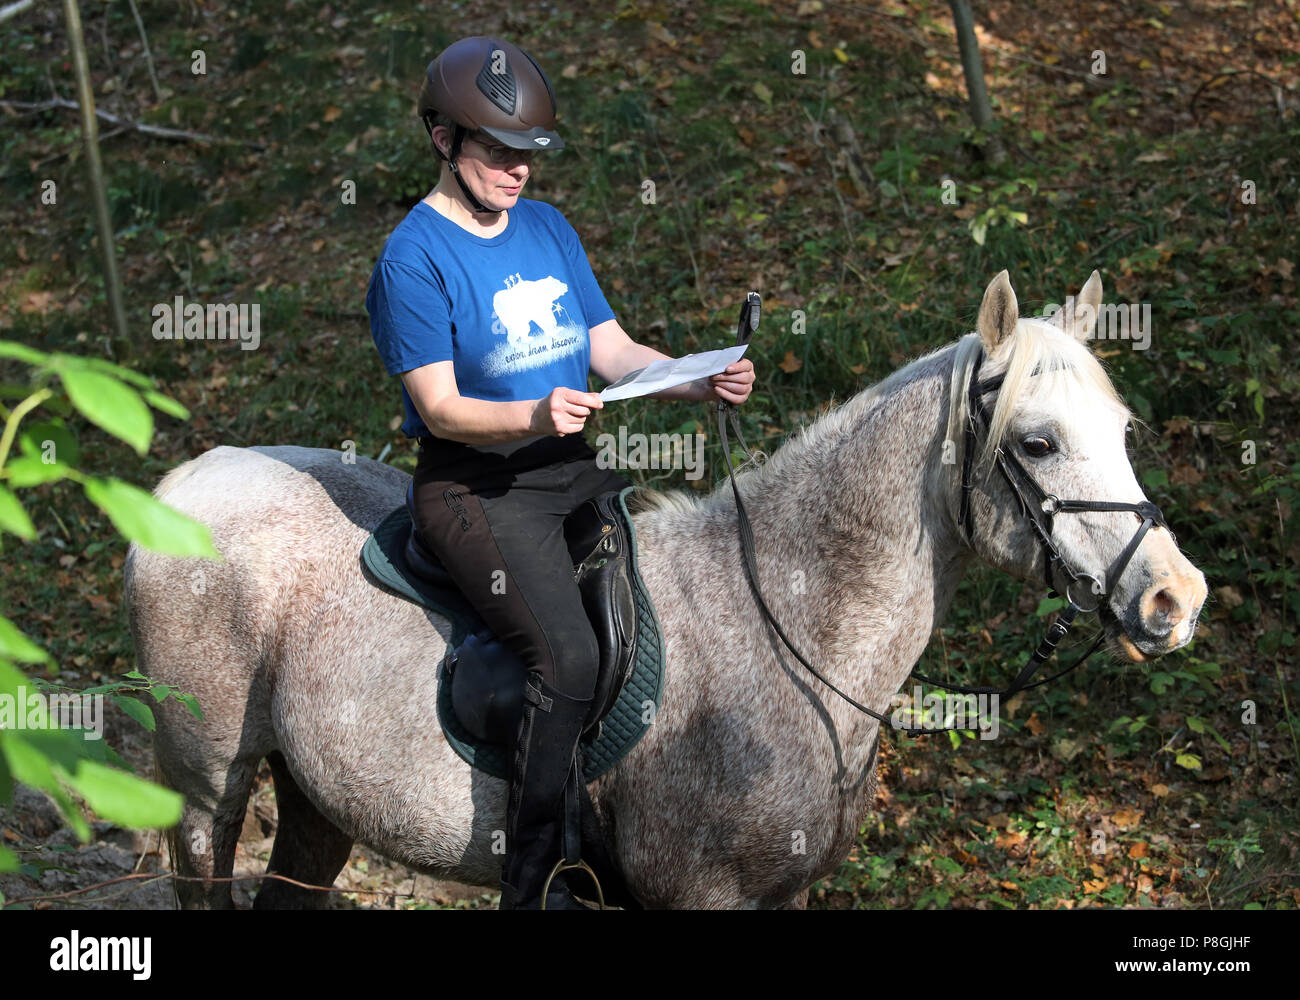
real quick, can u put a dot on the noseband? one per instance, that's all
(1036, 505)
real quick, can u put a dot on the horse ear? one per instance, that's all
(1081, 325)
(999, 313)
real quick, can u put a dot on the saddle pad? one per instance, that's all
(622, 727)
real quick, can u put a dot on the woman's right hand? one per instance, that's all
(564, 411)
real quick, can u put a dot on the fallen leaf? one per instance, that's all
(1229, 596)
(332, 113)
(37, 302)
(1139, 850)
(1160, 791)
(791, 364)
(1010, 840)
(1126, 819)
(1035, 725)
(1095, 886)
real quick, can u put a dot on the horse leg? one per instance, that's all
(202, 844)
(308, 847)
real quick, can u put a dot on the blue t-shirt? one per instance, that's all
(512, 311)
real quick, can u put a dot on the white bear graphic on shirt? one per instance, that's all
(522, 305)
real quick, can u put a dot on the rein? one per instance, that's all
(1038, 506)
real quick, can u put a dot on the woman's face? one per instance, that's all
(495, 173)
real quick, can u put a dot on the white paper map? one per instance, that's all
(674, 371)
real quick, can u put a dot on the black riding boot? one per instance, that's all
(543, 770)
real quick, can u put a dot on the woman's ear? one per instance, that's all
(440, 133)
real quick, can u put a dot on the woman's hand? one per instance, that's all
(735, 384)
(564, 411)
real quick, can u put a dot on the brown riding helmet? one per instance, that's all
(491, 86)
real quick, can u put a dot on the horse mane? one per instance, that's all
(1041, 360)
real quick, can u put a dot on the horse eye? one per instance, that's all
(1037, 446)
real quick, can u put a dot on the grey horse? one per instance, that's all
(754, 779)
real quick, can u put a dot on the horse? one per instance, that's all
(754, 779)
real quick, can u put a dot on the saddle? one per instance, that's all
(488, 694)
(481, 689)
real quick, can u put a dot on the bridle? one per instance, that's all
(1036, 505)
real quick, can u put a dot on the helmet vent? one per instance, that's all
(497, 81)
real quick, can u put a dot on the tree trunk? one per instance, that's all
(980, 111)
(90, 136)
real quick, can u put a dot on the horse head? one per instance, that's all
(1044, 455)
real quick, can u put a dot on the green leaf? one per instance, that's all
(1049, 604)
(137, 709)
(141, 518)
(61, 362)
(160, 692)
(6, 783)
(28, 470)
(168, 405)
(8, 863)
(32, 438)
(135, 674)
(1155, 478)
(13, 518)
(16, 646)
(1189, 761)
(21, 352)
(1195, 725)
(192, 703)
(108, 403)
(125, 799)
(28, 764)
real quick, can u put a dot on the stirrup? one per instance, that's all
(560, 866)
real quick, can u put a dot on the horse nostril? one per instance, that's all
(1167, 606)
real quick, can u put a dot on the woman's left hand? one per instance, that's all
(735, 384)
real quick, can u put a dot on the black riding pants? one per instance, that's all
(494, 515)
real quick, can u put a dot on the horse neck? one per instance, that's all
(857, 553)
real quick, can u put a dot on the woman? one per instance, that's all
(485, 304)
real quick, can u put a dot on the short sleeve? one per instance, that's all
(594, 305)
(410, 317)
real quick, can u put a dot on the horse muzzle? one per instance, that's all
(1162, 619)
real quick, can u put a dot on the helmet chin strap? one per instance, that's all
(458, 137)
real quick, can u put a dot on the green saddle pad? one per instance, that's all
(622, 727)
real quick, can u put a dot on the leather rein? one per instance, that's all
(1083, 592)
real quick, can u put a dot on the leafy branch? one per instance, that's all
(35, 750)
